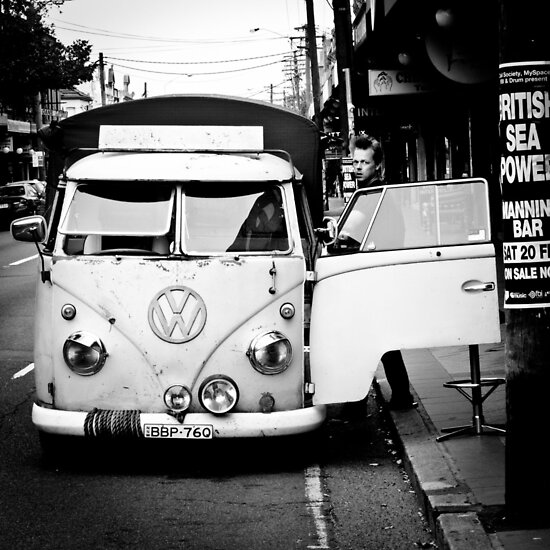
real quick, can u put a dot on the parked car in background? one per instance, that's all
(22, 198)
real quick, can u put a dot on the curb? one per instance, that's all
(447, 502)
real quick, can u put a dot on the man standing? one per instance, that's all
(367, 161)
(367, 164)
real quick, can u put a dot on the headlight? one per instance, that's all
(177, 398)
(270, 353)
(84, 353)
(218, 394)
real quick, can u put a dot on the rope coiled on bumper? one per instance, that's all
(112, 424)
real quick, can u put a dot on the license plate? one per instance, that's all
(173, 431)
(4, 206)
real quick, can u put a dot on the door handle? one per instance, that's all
(478, 286)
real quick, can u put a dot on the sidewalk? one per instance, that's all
(460, 480)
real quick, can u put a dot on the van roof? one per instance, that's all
(180, 166)
(282, 129)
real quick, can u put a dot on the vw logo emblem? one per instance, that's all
(177, 314)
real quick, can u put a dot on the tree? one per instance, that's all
(32, 59)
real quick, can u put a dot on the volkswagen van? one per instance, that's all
(186, 289)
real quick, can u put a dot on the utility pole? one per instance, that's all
(524, 89)
(312, 51)
(38, 119)
(102, 78)
(344, 50)
(296, 80)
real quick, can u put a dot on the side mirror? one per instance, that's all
(31, 229)
(328, 233)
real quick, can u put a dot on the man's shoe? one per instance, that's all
(402, 404)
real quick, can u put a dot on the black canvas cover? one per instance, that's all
(283, 129)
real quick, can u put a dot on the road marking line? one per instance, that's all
(24, 260)
(24, 371)
(315, 502)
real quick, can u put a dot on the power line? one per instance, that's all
(195, 62)
(195, 74)
(267, 88)
(103, 32)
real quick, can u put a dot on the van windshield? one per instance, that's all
(133, 218)
(249, 220)
(128, 209)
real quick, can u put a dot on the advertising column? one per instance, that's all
(525, 182)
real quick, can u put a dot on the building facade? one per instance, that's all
(21, 156)
(424, 82)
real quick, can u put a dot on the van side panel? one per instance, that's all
(44, 336)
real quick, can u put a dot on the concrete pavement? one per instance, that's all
(461, 479)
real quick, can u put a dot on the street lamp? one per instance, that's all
(279, 35)
(445, 18)
(256, 29)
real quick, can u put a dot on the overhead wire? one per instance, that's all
(196, 74)
(104, 32)
(84, 29)
(195, 62)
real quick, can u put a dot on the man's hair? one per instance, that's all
(368, 142)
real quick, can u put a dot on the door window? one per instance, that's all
(415, 216)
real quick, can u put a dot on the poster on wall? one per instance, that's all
(524, 89)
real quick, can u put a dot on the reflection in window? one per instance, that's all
(120, 217)
(435, 215)
(357, 221)
(249, 220)
(417, 216)
(119, 209)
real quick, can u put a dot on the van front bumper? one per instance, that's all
(132, 423)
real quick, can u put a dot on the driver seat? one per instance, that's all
(92, 244)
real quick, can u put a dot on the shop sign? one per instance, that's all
(392, 82)
(19, 126)
(51, 114)
(524, 96)
(365, 112)
(38, 159)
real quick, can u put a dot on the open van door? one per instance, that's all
(413, 266)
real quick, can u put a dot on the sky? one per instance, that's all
(191, 46)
